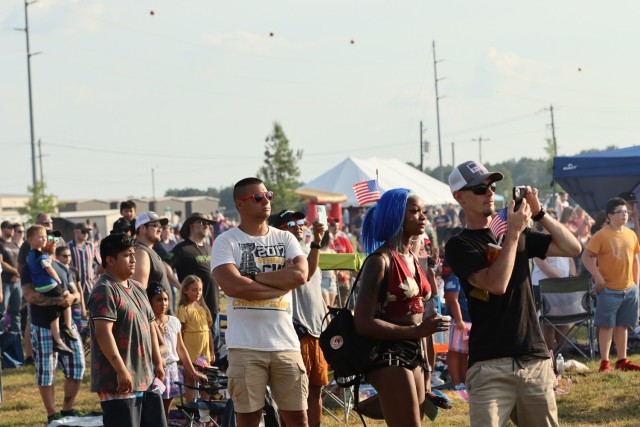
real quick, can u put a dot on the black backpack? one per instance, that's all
(349, 354)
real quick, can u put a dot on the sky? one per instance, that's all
(190, 89)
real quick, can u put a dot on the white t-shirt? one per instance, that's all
(561, 264)
(264, 325)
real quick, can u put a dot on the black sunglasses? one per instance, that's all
(481, 189)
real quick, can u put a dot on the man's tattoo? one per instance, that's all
(115, 357)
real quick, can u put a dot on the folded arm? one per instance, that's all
(235, 285)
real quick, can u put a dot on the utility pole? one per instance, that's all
(435, 77)
(153, 183)
(421, 149)
(29, 55)
(555, 151)
(40, 159)
(453, 154)
(480, 139)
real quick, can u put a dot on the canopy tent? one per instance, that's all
(593, 178)
(392, 173)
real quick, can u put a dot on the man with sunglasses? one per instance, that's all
(149, 266)
(510, 372)
(46, 359)
(611, 256)
(308, 309)
(257, 266)
(85, 255)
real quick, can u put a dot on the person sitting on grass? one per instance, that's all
(47, 282)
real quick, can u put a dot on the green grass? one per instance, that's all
(610, 400)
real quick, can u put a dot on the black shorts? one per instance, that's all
(404, 353)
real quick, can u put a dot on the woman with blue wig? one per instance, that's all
(390, 307)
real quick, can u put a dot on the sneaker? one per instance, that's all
(53, 417)
(605, 366)
(69, 333)
(71, 413)
(627, 365)
(461, 389)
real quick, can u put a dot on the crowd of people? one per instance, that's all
(149, 297)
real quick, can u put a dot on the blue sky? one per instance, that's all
(192, 90)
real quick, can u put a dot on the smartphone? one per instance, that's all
(321, 212)
(518, 194)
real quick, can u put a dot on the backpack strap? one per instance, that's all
(385, 280)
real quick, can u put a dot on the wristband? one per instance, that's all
(314, 245)
(537, 217)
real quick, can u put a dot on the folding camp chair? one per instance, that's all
(569, 301)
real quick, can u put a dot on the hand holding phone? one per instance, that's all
(518, 194)
(321, 212)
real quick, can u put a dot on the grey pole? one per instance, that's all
(435, 76)
(29, 55)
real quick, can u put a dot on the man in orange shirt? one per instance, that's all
(615, 274)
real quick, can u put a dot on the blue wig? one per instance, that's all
(383, 222)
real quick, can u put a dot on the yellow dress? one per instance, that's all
(196, 323)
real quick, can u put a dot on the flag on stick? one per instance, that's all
(366, 192)
(201, 362)
(498, 224)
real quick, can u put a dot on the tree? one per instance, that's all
(39, 202)
(280, 171)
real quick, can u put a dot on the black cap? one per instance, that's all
(196, 216)
(628, 196)
(283, 217)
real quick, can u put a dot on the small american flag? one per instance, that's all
(201, 361)
(499, 224)
(366, 192)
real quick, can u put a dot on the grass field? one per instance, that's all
(611, 400)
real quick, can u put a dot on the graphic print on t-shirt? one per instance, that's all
(257, 259)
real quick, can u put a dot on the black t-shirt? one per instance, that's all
(9, 252)
(43, 315)
(505, 325)
(189, 258)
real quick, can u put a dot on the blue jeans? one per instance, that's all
(11, 300)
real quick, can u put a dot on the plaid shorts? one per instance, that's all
(46, 359)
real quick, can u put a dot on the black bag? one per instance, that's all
(349, 355)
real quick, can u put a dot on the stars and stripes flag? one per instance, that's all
(499, 224)
(201, 362)
(366, 192)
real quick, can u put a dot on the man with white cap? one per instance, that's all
(149, 266)
(510, 372)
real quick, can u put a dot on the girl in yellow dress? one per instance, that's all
(196, 322)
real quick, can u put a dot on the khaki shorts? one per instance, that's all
(314, 362)
(250, 371)
(505, 388)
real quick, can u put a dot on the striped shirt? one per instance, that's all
(82, 257)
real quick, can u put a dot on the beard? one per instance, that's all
(487, 212)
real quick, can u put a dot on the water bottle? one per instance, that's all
(560, 363)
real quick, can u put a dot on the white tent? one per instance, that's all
(392, 173)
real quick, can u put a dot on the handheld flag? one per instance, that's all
(366, 192)
(201, 362)
(498, 224)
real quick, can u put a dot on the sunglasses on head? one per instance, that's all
(257, 197)
(481, 189)
(292, 224)
(55, 239)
